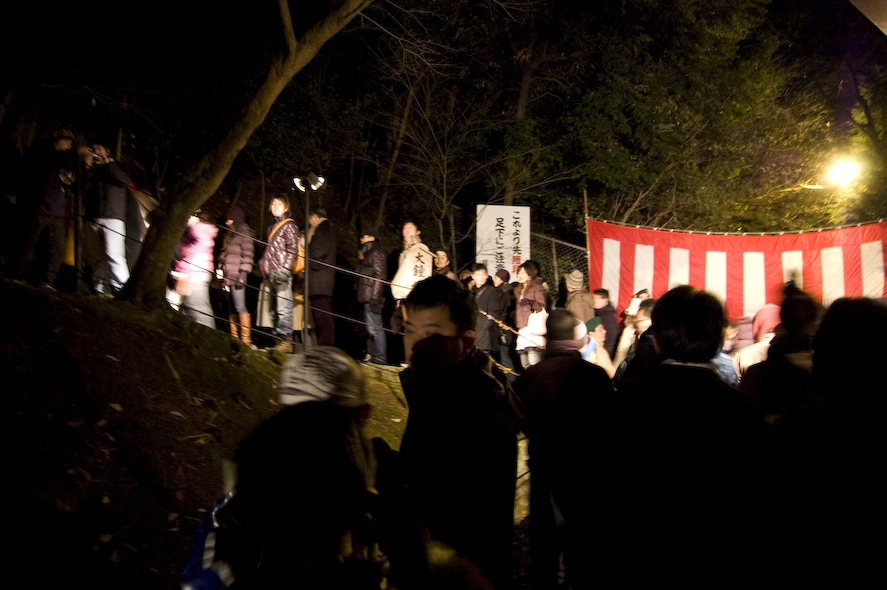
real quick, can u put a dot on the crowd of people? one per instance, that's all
(669, 468)
(666, 444)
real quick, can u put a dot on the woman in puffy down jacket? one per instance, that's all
(276, 266)
(236, 260)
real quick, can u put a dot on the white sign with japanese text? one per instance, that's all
(503, 237)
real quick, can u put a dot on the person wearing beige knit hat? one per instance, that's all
(579, 301)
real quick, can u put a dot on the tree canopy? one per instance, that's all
(708, 115)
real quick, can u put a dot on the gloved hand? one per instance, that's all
(281, 275)
(376, 305)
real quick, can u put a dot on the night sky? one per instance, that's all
(189, 52)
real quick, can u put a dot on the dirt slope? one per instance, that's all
(115, 424)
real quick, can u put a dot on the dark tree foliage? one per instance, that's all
(693, 114)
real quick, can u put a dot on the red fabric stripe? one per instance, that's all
(813, 273)
(773, 275)
(852, 270)
(626, 277)
(697, 265)
(734, 306)
(596, 236)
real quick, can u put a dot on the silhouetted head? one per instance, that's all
(688, 324)
(849, 349)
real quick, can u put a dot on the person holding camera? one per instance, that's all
(276, 266)
(107, 194)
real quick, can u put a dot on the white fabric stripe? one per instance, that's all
(793, 267)
(643, 268)
(223, 570)
(209, 550)
(832, 274)
(754, 283)
(872, 258)
(610, 279)
(678, 267)
(716, 274)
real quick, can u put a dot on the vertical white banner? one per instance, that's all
(503, 237)
(872, 258)
(716, 274)
(612, 265)
(832, 274)
(754, 283)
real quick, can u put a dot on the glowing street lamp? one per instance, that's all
(840, 175)
(314, 183)
(312, 180)
(843, 172)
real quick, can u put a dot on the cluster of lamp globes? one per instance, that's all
(311, 180)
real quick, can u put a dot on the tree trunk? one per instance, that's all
(398, 143)
(523, 100)
(146, 286)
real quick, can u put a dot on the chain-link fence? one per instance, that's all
(556, 257)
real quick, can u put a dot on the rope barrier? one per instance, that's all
(80, 275)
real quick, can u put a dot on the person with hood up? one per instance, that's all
(236, 260)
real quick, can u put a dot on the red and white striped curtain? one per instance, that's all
(746, 271)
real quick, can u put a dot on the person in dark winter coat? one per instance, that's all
(236, 260)
(605, 310)
(45, 195)
(371, 289)
(642, 356)
(826, 481)
(489, 302)
(691, 456)
(566, 400)
(507, 354)
(276, 266)
(459, 450)
(321, 275)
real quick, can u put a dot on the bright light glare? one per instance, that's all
(843, 172)
(316, 181)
